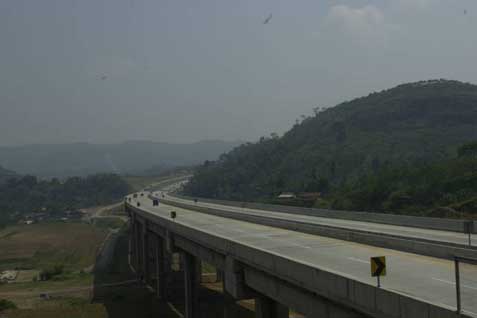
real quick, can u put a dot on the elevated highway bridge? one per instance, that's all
(314, 273)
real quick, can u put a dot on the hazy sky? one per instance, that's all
(183, 71)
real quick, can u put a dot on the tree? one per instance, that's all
(468, 150)
(50, 272)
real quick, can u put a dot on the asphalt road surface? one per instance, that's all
(410, 232)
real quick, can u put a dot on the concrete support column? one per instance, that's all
(160, 272)
(137, 249)
(268, 308)
(219, 276)
(231, 308)
(191, 284)
(132, 242)
(145, 253)
(198, 270)
(168, 277)
(234, 287)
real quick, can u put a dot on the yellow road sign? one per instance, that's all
(378, 266)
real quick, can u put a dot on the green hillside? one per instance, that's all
(446, 188)
(410, 124)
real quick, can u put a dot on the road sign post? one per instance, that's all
(469, 228)
(457, 260)
(378, 268)
(457, 284)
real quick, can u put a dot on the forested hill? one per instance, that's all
(411, 123)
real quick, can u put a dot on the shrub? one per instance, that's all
(6, 304)
(49, 273)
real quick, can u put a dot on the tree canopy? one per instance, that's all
(28, 194)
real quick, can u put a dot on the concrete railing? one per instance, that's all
(444, 224)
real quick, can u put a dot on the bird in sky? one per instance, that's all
(103, 77)
(267, 19)
(465, 11)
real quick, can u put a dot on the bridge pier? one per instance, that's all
(160, 262)
(145, 253)
(198, 270)
(138, 249)
(191, 284)
(231, 308)
(266, 307)
(132, 242)
(219, 276)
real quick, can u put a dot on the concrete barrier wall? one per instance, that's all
(453, 225)
(417, 246)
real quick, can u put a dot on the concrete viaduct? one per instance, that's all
(265, 264)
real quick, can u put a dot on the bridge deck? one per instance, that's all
(427, 278)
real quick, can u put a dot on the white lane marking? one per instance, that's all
(453, 283)
(357, 260)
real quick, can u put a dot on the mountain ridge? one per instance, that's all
(81, 159)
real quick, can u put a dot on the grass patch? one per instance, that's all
(207, 268)
(7, 233)
(25, 276)
(38, 246)
(68, 281)
(108, 222)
